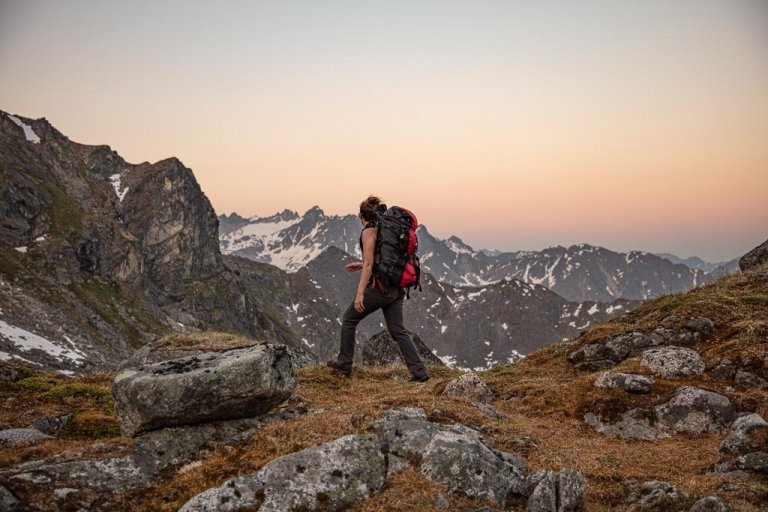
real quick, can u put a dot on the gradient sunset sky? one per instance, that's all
(638, 124)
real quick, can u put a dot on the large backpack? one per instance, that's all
(396, 264)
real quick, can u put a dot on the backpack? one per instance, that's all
(396, 264)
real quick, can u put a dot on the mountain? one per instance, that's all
(470, 327)
(99, 256)
(697, 263)
(577, 273)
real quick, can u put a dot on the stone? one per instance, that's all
(381, 349)
(556, 492)
(724, 370)
(710, 504)
(51, 426)
(8, 501)
(673, 361)
(749, 380)
(754, 462)
(470, 385)
(462, 464)
(610, 351)
(694, 410)
(442, 502)
(754, 258)
(702, 325)
(748, 433)
(327, 477)
(30, 435)
(401, 413)
(653, 495)
(636, 423)
(210, 386)
(631, 382)
(488, 410)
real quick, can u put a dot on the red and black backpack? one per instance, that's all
(396, 264)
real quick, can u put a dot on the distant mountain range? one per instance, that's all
(576, 273)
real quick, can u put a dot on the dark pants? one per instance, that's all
(391, 305)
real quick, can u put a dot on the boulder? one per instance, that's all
(748, 434)
(8, 501)
(610, 351)
(456, 456)
(462, 464)
(653, 495)
(701, 324)
(381, 349)
(631, 382)
(755, 257)
(710, 504)
(52, 426)
(209, 386)
(695, 411)
(556, 492)
(638, 423)
(673, 361)
(748, 379)
(724, 370)
(754, 462)
(470, 385)
(328, 477)
(30, 435)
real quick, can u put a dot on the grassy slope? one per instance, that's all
(542, 398)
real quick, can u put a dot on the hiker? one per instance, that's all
(372, 294)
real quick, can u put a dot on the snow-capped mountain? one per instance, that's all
(577, 273)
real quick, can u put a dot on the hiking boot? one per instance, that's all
(338, 368)
(420, 378)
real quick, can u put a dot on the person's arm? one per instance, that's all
(369, 247)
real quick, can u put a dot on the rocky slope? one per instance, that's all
(577, 273)
(100, 256)
(630, 431)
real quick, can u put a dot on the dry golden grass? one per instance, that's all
(208, 340)
(541, 398)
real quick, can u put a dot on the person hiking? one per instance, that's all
(373, 294)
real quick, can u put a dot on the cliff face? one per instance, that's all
(100, 256)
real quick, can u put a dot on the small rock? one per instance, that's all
(701, 324)
(556, 492)
(673, 361)
(469, 385)
(52, 426)
(748, 433)
(649, 495)
(441, 502)
(633, 383)
(710, 504)
(544, 495)
(725, 370)
(748, 380)
(488, 410)
(22, 434)
(7, 500)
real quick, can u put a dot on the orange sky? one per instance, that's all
(632, 125)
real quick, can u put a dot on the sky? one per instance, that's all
(640, 124)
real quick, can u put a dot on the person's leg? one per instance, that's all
(372, 300)
(393, 315)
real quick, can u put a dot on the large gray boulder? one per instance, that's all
(30, 435)
(381, 349)
(694, 410)
(710, 504)
(327, 477)
(673, 361)
(755, 257)
(209, 386)
(456, 456)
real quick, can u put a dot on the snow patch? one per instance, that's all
(27, 341)
(29, 133)
(118, 186)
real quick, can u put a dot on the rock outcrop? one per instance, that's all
(210, 386)
(672, 361)
(754, 258)
(381, 349)
(630, 382)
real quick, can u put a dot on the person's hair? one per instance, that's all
(369, 207)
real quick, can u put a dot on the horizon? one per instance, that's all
(629, 126)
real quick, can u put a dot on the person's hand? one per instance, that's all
(359, 307)
(354, 267)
